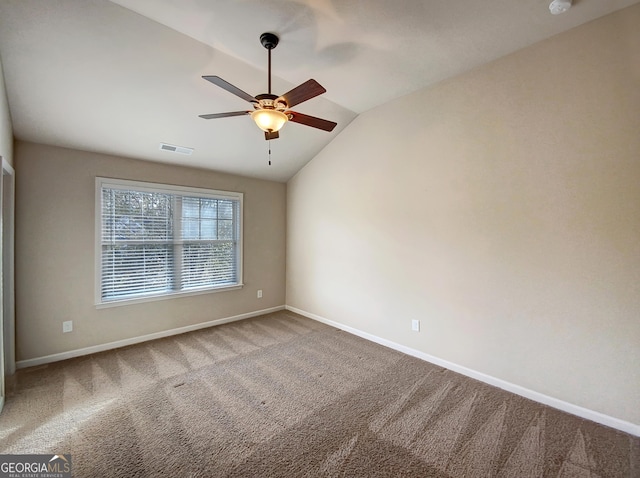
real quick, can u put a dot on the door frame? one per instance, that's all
(7, 277)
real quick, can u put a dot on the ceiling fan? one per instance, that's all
(271, 112)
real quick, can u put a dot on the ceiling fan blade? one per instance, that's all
(224, 115)
(225, 85)
(271, 135)
(311, 121)
(307, 90)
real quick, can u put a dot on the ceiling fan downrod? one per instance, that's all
(269, 41)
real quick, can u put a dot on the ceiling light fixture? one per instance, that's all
(269, 121)
(559, 6)
(271, 112)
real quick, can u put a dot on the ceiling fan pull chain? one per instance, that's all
(269, 152)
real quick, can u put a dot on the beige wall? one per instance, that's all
(6, 132)
(55, 215)
(502, 209)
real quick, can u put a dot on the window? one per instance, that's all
(158, 240)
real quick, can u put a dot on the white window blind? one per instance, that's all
(158, 240)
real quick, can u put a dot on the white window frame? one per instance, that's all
(167, 189)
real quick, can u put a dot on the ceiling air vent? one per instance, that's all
(175, 149)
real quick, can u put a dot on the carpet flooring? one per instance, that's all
(284, 396)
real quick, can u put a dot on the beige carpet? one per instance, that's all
(282, 395)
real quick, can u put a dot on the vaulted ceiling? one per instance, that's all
(122, 76)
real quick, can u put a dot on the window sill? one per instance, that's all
(174, 295)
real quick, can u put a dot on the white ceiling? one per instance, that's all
(121, 76)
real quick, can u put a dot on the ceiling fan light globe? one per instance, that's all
(269, 121)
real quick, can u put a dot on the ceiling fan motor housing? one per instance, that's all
(271, 102)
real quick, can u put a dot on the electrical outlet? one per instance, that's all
(415, 325)
(259, 293)
(67, 326)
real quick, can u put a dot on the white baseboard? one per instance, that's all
(577, 410)
(136, 340)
